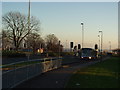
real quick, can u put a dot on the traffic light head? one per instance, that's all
(71, 44)
(96, 46)
(79, 46)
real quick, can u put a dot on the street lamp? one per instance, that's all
(110, 45)
(29, 18)
(28, 46)
(66, 45)
(82, 34)
(59, 48)
(101, 40)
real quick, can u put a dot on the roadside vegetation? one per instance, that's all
(18, 65)
(13, 54)
(20, 34)
(105, 74)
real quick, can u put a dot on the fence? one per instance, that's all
(24, 70)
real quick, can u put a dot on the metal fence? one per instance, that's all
(24, 70)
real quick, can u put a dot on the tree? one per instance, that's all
(6, 42)
(17, 24)
(52, 43)
(35, 41)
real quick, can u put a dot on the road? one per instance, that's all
(56, 78)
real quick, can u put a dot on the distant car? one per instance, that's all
(88, 53)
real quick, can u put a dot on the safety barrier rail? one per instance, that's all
(16, 73)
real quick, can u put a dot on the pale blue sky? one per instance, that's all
(64, 20)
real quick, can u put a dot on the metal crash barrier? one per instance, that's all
(16, 73)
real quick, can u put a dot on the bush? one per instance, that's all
(53, 54)
(67, 53)
(56, 54)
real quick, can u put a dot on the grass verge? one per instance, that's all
(100, 75)
(10, 67)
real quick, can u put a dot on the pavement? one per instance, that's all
(56, 78)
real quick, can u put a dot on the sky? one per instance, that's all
(64, 20)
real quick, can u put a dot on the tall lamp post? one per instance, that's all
(59, 48)
(29, 19)
(82, 34)
(28, 55)
(110, 45)
(66, 45)
(28, 35)
(101, 40)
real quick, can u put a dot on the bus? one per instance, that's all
(88, 53)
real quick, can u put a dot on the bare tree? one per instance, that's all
(17, 24)
(52, 43)
(35, 41)
(6, 42)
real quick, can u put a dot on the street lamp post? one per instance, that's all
(82, 34)
(110, 45)
(28, 55)
(28, 35)
(66, 46)
(101, 40)
(59, 48)
(29, 19)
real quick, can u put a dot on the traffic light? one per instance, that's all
(79, 46)
(75, 47)
(71, 44)
(96, 46)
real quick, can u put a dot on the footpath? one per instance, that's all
(56, 78)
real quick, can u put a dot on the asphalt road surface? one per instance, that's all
(57, 78)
